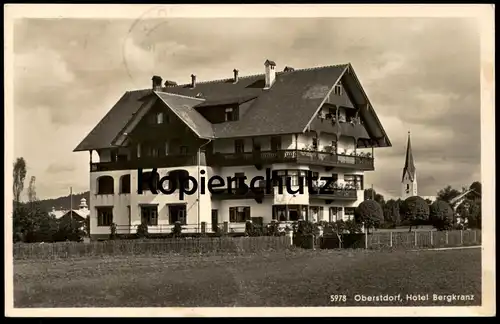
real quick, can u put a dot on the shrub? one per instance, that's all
(142, 231)
(249, 228)
(415, 210)
(441, 215)
(370, 213)
(352, 227)
(177, 229)
(273, 229)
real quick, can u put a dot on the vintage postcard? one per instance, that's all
(249, 160)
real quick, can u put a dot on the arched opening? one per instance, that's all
(146, 183)
(177, 177)
(105, 185)
(125, 184)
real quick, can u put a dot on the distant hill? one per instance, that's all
(64, 202)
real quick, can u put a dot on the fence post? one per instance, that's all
(461, 237)
(390, 239)
(226, 227)
(289, 235)
(366, 237)
(415, 238)
(446, 237)
(432, 243)
(203, 227)
(475, 236)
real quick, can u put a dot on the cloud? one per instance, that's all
(421, 74)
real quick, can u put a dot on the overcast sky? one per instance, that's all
(420, 75)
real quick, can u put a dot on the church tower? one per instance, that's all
(409, 180)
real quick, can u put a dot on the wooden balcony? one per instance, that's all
(146, 163)
(335, 194)
(292, 156)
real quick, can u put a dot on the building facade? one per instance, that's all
(227, 135)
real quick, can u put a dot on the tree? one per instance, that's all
(470, 210)
(391, 211)
(19, 176)
(377, 197)
(370, 213)
(415, 210)
(476, 186)
(441, 215)
(447, 194)
(32, 190)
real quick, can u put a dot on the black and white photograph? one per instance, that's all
(249, 160)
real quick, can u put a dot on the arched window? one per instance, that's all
(145, 182)
(125, 184)
(105, 185)
(176, 178)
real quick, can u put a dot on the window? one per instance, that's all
(176, 178)
(349, 213)
(239, 214)
(315, 143)
(407, 188)
(316, 213)
(275, 143)
(239, 183)
(125, 184)
(239, 146)
(149, 215)
(159, 118)
(231, 114)
(145, 181)
(295, 176)
(354, 181)
(104, 216)
(177, 213)
(335, 214)
(105, 185)
(338, 89)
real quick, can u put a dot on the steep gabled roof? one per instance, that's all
(183, 108)
(287, 107)
(103, 135)
(409, 163)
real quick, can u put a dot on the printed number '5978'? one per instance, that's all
(338, 298)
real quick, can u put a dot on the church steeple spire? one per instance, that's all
(409, 164)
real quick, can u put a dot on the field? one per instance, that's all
(284, 278)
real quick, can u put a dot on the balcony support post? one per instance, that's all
(90, 156)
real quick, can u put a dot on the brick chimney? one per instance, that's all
(193, 81)
(270, 73)
(156, 83)
(235, 76)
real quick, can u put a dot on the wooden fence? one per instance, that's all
(422, 239)
(150, 247)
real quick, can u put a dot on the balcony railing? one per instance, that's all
(298, 156)
(335, 194)
(145, 163)
(246, 158)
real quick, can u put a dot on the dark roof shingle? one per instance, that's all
(287, 107)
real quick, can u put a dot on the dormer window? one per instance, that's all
(231, 114)
(338, 89)
(159, 118)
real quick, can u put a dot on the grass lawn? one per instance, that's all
(292, 278)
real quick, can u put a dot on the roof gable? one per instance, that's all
(289, 106)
